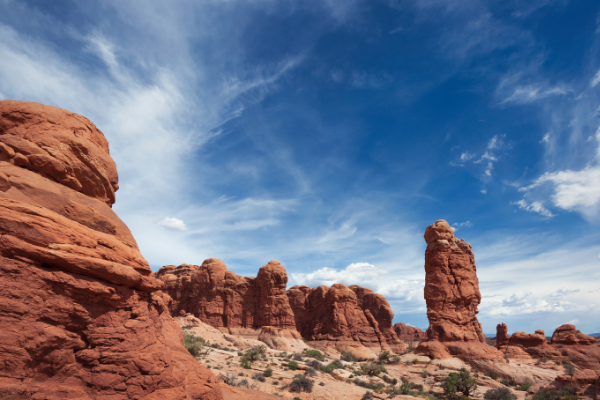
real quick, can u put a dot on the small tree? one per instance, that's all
(268, 372)
(459, 382)
(194, 344)
(301, 383)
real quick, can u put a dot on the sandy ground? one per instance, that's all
(338, 385)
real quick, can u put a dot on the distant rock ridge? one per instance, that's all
(81, 315)
(409, 332)
(340, 315)
(566, 344)
(452, 296)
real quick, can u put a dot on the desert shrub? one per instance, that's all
(348, 356)
(492, 375)
(405, 387)
(424, 373)
(240, 354)
(507, 382)
(194, 344)
(275, 383)
(314, 354)
(293, 365)
(384, 356)
(298, 357)
(415, 361)
(310, 371)
(367, 396)
(314, 364)
(568, 393)
(245, 363)
(499, 394)
(215, 346)
(372, 369)
(331, 366)
(296, 398)
(301, 383)
(258, 377)
(394, 360)
(389, 380)
(321, 383)
(368, 385)
(525, 386)
(411, 347)
(233, 380)
(230, 340)
(458, 382)
(268, 372)
(569, 368)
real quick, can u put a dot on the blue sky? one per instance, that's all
(327, 135)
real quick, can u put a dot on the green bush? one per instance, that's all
(394, 360)
(301, 383)
(384, 356)
(258, 377)
(525, 386)
(499, 394)
(245, 363)
(298, 357)
(568, 393)
(194, 344)
(492, 375)
(293, 365)
(367, 396)
(314, 354)
(314, 364)
(348, 356)
(458, 382)
(372, 369)
(310, 371)
(268, 372)
(424, 373)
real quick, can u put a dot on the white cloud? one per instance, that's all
(595, 80)
(495, 142)
(546, 138)
(573, 190)
(535, 206)
(466, 156)
(173, 223)
(531, 93)
(483, 191)
(346, 230)
(466, 224)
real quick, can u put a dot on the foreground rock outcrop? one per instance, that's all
(567, 344)
(452, 296)
(81, 315)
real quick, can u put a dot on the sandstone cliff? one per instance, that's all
(80, 314)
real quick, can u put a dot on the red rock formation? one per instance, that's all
(568, 334)
(344, 314)
(409, 333)
(452, 295)
(80, 314)
(223, 299)
(521, 339)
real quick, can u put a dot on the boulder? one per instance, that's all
(81, 315)
(568, 334)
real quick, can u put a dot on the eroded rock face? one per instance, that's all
(409, 332)
(521, 339)
(343, 314)
(451, 287)
(80, 314)
(452, 296)
(224, 299)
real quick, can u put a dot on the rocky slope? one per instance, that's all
(452, 296)
(80, 314)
